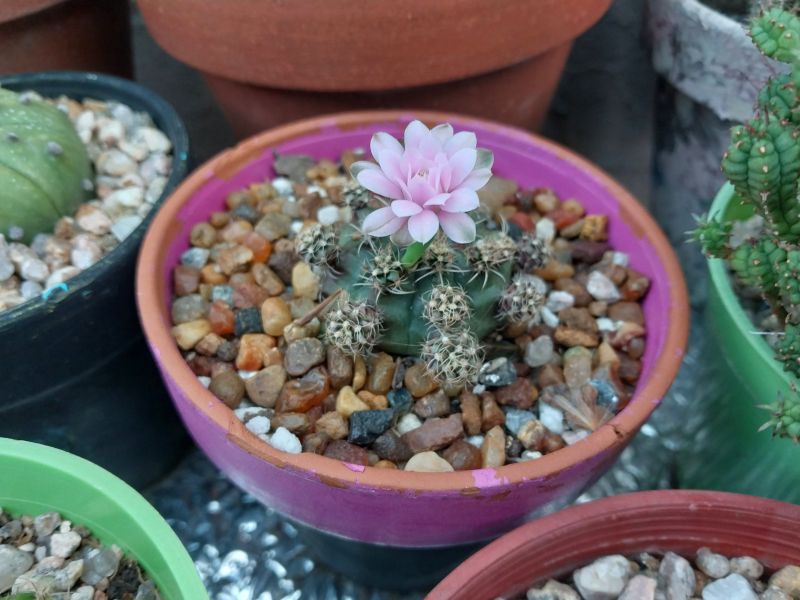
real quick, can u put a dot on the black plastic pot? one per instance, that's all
(75, 372)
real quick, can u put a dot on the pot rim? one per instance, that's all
(611, 435)
(17, 9)
(598, 512)
(157, 106)
(720, 279)
(112, 487)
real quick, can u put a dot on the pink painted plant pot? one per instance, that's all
(404, 508)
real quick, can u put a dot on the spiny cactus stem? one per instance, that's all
(318, 309)
(412, 254)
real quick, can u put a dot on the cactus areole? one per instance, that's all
(423, 270)
(45, 172)
(763, 164)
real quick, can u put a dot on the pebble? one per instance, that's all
(602, 288)
(381, 372)
(188, 334)
(286, 441)
(549, 317)
(407, 423)
(367, 425)
(340, 367)
(228, 387)
(559, 300)
(553, 590)
(348, 402)
(275, 315)
(491, 414)
(463, 456)
(532, 435)
(400, 400)
(773, 593)
(333, 424)
(301, 355)
(265, 386)
(259, 425)
(418, 381)
(604, 579)
(540, 351)
(98, 564)
(390, 446)
(493, 448)
(747, 566)
(435, 434)
(470, 412)
(677, 577)
(328, 215)
(13, 563)
(551, 417)
(732, 587)
(712, 564)
(347, 452)
(639, 587)
(428, 462)
(516, 418)
(577, 366)
(787, 579)
(545, 229)
(189, 308)
(301, 395)
(436, 404)
(305, 283)
(248, 320)
(497, 373)
(64, 544)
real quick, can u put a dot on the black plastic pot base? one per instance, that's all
(392, 568)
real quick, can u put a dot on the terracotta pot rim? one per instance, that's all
(619, 508)
(16, 9)
(613, 434)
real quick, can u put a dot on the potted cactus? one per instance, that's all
(369, 323)
(752, 233)
(84, 158)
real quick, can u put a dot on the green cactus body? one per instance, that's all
(780, 97)
(763, 163)
(401, 293)
(788, 284)
(776, 32)
(754, 263)
(787, 350)
(43, 165)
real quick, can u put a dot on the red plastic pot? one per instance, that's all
(271, 61)
(405, 508)
(79, 35)
(661, 521)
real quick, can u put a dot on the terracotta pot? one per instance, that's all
(86, 35)
(405, 508)
(677, 521)
(402, 53)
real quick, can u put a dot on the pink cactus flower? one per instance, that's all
(431, 180)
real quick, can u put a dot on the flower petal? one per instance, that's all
(383, 142)
(462, 200)
(404, 208)
(420, 190)
(423, 226)
(362, 165)
(376, 181)
(437, 200)
(461, 140)
(401, 237)
(393, 166)
(443, 133)
(382, 222)
(414, 134)
(461, 164)
(459, 227)
(477, 179)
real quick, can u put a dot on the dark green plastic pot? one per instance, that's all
(729, 453)
(36, 479)
(75, 372)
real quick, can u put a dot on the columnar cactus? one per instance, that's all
(45, 172)
(763, 164)
(424, 292)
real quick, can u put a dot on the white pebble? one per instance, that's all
(545, 229)
(428, 462)
(606, 324)
(530, 455)
(247, 374)
(155, 165)
(315, 189)
(286, 441)
(85, 251)
(34, 269)
(243, 413)
(573, 437)
(604, 579)
(64, 544)
(129, 197)
(92, 219)
(409, 422)
(550, 319)
(154, 139)
(621, 259)
(747, 566)
(551, 417)
(137, 152)
(155, 190)
(111, 132)
(115, 163)
(475, 440)
(712, 564)
(258, 425)
(124, 226)
(328, 215)
(601, 287)
(732, 587)
(478, 389)
(540, 351)
(559, 300)
(296, 226)
(59, 276)
(205, 381)
(29, 547)
(283, 186)
(30, 289)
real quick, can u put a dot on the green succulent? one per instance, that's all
(44, 167)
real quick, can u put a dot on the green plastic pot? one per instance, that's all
(36, 479)
(728, 452)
